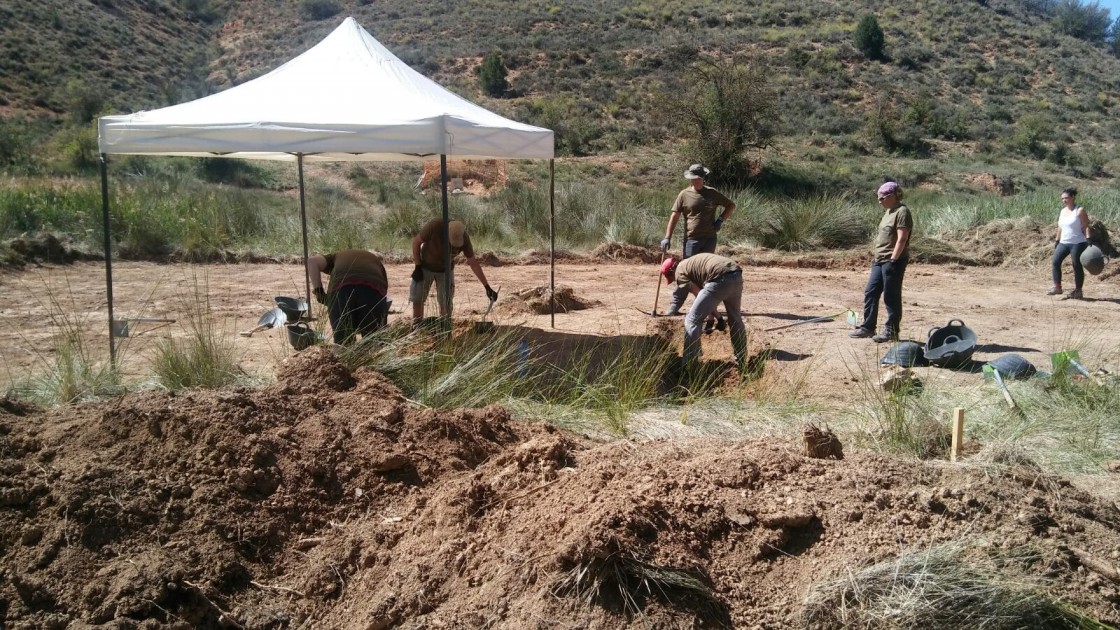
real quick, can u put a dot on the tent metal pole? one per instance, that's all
(447, 268)
(303, 223)
(552, 240)
(108, 255)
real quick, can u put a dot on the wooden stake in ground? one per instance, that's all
(958, 433)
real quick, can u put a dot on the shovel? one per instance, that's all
(273, 318)
(994, 373)
(823, 318)
(482, 325)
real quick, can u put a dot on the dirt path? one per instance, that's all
(1007, 309)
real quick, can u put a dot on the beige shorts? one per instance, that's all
(418, 291)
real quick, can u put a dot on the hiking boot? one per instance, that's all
(672, 313)
(1075, 294)
(721, 324)
(709, 326)
(1054, 291)
(860, 333)
(885, 336)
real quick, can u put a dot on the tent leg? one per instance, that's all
(448, 269)
(108, 255)
(552, 240)
(303, 223)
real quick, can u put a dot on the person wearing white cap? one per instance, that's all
(704, 208)
(892, 252)
(428, 256)
(714, 280)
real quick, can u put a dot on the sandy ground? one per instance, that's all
(1007, 308)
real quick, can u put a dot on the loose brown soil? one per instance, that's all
(328, 500)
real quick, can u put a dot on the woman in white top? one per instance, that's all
(1072, 238)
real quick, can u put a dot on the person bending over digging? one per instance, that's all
(891, 253)
(713, 279)
(431, 264)
(355, 297)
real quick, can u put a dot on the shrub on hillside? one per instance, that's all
(724, 108)
(1083, 21)
(492, 75)
(321, 9)
(868, 37)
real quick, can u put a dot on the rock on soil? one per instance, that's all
(327, 500)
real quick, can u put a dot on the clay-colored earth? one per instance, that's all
(328, 500)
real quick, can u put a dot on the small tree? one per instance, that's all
(1084, 21)
(1114, 37)
(492, 75)
(725, 109)
(868, 37)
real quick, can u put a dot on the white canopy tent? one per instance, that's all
(347, 98)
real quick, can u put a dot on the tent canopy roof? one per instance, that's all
(347, 98)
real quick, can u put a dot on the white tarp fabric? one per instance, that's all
(347, 98)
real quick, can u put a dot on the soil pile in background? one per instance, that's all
(327, 500)
(38, 250)
(537, 300)
(626, 252)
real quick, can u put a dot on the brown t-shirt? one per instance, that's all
(356, 267)
(700, 269)
(699, 208)
(887, 235)
(431, 252)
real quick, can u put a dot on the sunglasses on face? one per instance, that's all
(882, 197)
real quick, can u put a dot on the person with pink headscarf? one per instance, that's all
(891, 253)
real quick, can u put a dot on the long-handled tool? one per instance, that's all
(811, 321)
(991, 371)
(657, 293)
(273, 318)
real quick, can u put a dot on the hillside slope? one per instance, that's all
(993, 76)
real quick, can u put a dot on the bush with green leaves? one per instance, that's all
(868, 37)
(1089, 21)
(492, 75)
(724, 108)
(321, 9)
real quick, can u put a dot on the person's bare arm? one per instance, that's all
(477, 269)
(727, 211)
(900, 243)
(417, 242)
(673, 218)
(1084, 216)
(315, 266)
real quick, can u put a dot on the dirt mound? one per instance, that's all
(626, 252)
(327, 500)
(537, 300)
(40, 249)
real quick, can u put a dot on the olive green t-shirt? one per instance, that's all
(700, 269)
(356, 266)
(699, 208)
(887, 235)
(431, 254)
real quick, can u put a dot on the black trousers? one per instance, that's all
(885, 280)
(356, 310)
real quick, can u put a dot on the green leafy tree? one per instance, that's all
(1089, 22)
(725, 109)
(868, 37)
(492, 75)
(1114, 37)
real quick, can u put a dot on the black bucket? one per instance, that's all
(1013, 366)
(951, 345)
(294, 309)
(905, 354)
(302, 336)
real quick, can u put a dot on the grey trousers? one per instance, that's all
(728, 290)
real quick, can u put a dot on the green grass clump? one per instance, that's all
(71, 371)
(207, 357)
